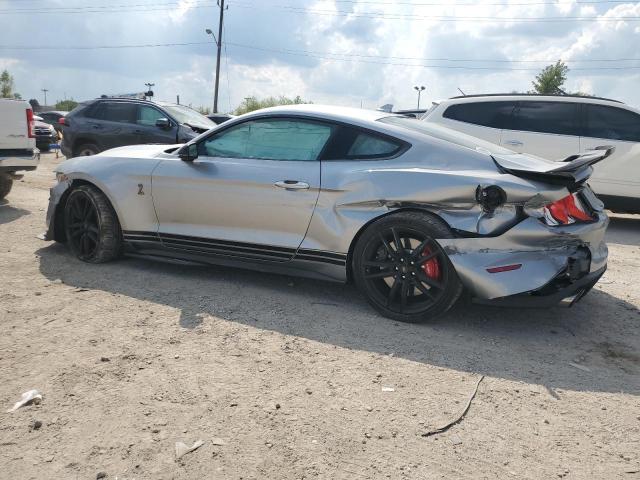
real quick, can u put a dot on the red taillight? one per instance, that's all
(566, 211)
(30, 123)
(61, 121)
(505, 268)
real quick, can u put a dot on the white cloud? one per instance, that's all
(420, 40)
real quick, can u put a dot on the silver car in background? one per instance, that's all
(412, 213)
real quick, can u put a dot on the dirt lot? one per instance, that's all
(288, 374)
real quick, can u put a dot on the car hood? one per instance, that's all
(139, 151)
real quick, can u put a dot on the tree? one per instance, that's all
(249, 104)
(550, 80)
(66, 105)
(6, 85)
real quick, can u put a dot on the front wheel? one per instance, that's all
(91, 226)
(401, 269)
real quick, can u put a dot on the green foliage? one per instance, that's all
(249, 104)
(550, 80)
(6, 85)
(66, 105)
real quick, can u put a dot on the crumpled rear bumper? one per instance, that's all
(544, 254)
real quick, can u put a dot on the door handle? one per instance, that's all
(514, 143)
(292, 185)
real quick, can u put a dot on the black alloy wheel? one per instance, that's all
(91, 227)
(403, 271)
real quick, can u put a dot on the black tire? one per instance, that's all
(91, 226)
(414, 283)
(6, 182)
(85, 150)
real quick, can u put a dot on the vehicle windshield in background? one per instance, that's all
(188, 116)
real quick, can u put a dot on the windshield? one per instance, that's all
(189, 116)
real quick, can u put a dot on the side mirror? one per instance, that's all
(189, 152)
(163, 123)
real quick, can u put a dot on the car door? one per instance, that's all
(148, 131)
(618, 175)
(250, 193)
(544, 128)
(113, 124)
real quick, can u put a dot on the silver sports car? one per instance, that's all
(412, 213)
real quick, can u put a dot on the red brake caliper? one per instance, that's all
(431, 267)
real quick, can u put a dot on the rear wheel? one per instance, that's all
(402, 271)
(6, 182)
(86, 150)
(91, 225)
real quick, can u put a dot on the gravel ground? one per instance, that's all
(285, 378)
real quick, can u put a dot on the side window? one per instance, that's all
(148, 115)
(116, 112)
(612, 123)
(486, 114)
(274, 139)
(560, 118)
(370, 146)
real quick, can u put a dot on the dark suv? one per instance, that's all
(107, 123)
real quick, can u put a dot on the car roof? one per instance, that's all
(328, 112)
(59, 112)
(489, 97)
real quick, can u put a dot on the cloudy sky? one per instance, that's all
(347, 52)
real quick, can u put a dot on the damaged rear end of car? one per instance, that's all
(555, 253)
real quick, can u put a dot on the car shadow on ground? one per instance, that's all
(9, 213)
(624, 230)
(599, 334)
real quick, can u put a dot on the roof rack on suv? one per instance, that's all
(535, 95)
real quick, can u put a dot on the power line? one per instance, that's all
(334, 55)
(99, 47)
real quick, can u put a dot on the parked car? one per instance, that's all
(413, 213)
(555, 127)
(219, 118)
(18, 150)
(45, 133)
(106, 123)
(53, 118)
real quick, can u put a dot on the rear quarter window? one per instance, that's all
(351, 143)
(612, 123)
(486, 114)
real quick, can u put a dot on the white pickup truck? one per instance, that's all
(18, 150)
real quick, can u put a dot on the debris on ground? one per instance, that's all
(388, 389)
(32, 396)
(580, 367)
(446, 427)
(218, 441)
(35, 425)
(182, 449)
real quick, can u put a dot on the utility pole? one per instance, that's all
(45, 95)
(219, 45)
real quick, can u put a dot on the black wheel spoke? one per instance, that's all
(404, 294)
(382, 274)
(393, 291)
(407, 243)
(390, 250)
(378, 263)
(396, 239)
(431, 282)
(77, 232)
(426, 258)
(92, 236)
(425, 290)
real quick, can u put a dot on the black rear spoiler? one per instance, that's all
(572, 170)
